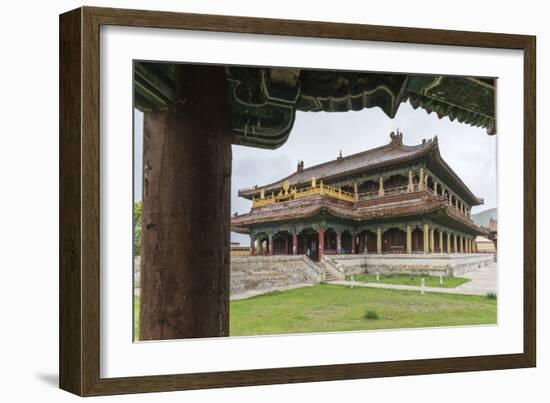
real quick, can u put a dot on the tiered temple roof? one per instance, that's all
(386, 155)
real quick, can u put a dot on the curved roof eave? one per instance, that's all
(473, 199)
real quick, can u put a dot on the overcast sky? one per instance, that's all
(319, 136)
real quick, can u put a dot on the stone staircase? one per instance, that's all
(327, 275)
(329, 269)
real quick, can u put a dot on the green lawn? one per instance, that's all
(325, 307)
(330, 308)
(408, 279)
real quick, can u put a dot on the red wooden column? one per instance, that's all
(294, 242)
(251, 245)
(321, 241)
(338, 241)
(270, 240)
(353, 240)
(186, 200)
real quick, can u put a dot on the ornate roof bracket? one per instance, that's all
(264, 101)
(465, 99)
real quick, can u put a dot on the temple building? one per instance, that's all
(394, 199)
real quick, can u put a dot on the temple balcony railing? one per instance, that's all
(295, 194)
(387, 192)
(453, 209)
(400, 190)
(459, 213)
(339, 194)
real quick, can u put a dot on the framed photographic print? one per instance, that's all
(249, 201)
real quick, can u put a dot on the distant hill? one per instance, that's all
(482, 218)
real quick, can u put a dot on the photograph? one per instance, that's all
(251, 200)
(360, 201)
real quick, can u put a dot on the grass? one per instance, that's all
(335, 308)
(410, 279)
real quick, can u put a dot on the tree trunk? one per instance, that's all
(186, 217)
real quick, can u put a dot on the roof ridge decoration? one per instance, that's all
(396, 138)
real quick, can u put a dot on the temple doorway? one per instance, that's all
(346, 243)
(331, 247)
(282, 243)
(370, 237)
(394, 241)
(417, 240)
(308, 243)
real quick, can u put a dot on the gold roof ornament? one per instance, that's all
(286, 186)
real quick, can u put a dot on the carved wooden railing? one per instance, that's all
(387, 192)
(337, 193)
(295, 193)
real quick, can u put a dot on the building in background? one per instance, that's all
(484, 245)
(493, 231)
(393, 199)
(238, 250)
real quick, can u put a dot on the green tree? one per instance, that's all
(137, 228)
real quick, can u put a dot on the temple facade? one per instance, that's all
(394, 199)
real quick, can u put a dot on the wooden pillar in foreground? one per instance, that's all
(294, 242)
(338, 241)
(379, 240)
(440, 241)
(186, 217)
(270, 246)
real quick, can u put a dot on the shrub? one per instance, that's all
(371, 315)
(491, 295)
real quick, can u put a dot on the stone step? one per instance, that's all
(328, 275)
